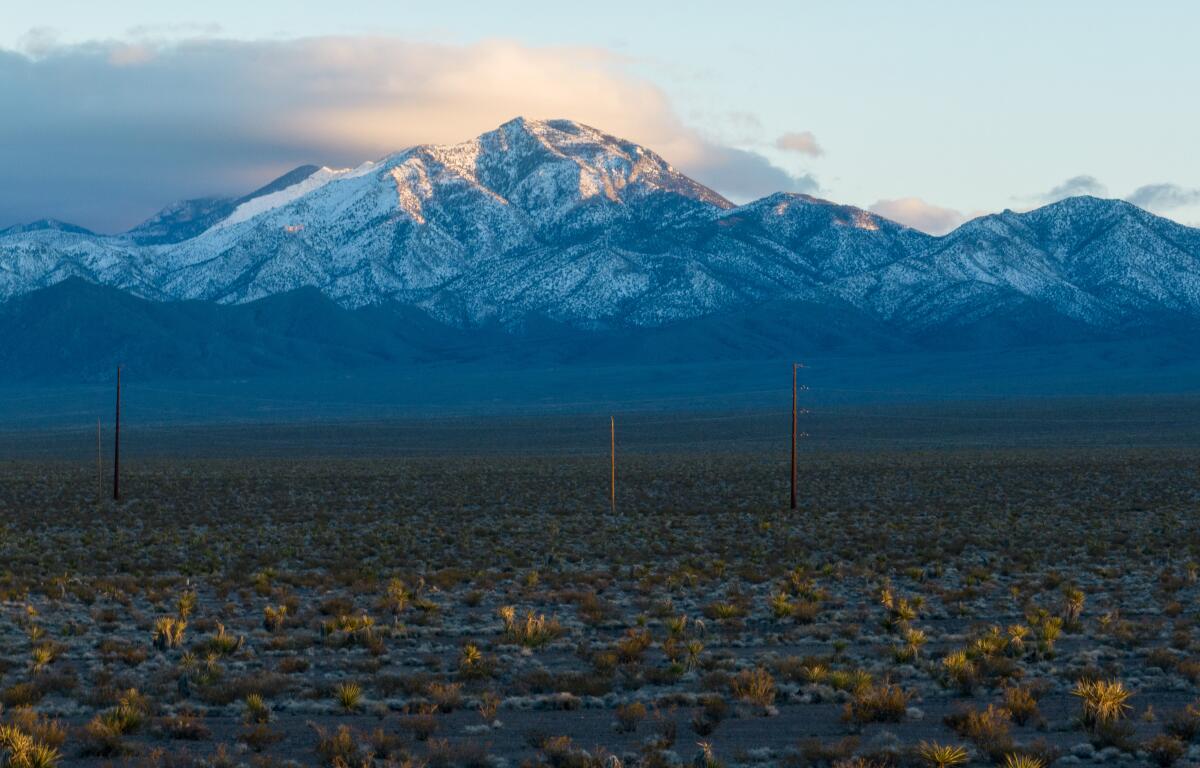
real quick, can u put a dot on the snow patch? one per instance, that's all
(282, 197)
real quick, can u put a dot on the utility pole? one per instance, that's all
(117, 443)
(99, 465)
(793, 473)
(612, 486)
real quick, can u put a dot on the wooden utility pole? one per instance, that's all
(612, 486)
(99, 465)
(794, 367)
(117, 443)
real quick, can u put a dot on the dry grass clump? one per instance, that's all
(533, 631)
(884, 703)
(1021, 701)
(343, 748)
(989, 729)
(629, 716)
(754, 686)
(103, 735)
(1164, 749)
(220, 643)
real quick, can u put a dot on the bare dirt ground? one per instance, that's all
(1022, 603)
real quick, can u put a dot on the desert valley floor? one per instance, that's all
(353, 603)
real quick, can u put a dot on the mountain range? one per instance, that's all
(553, 241)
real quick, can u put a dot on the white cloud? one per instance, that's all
(803, 142)
(1074, 186)
(105, 133)
(1164, 197)
(919, 214)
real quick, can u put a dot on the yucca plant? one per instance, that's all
(914, 640)
(533, 632)
(942, 755)
(781, 605)
(257, 710)
(274, 617)
(222, 643)
(348, 695)
(186, 603)
(1104, 701)
(677, 625)
(168, 632)
(24, 751)
(397, 597)
(1014, 760)
(41, 656)
(960, 670)
(1016, 638)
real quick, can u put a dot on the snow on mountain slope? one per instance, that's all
(553, 220)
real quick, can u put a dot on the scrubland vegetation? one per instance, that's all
(1011, 608)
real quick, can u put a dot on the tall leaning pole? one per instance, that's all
(99, 466)
(795, 366)
(612, 485)
(117, 443)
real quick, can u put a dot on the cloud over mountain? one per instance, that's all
(1164, 197)
(1074, 186)
(919, 214)
(101, 133)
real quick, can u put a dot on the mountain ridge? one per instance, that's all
(557, 221)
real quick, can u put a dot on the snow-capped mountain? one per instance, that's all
(553, 221)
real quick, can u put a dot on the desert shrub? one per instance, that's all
(1022, 704)
(1185, 723)
(629, 716)
(1164, 749)
(533, 631)
(259, 736)
(960, 671)
(632, 645)
(754, 686)
(884, 703)
(422, 725)
(712, 711)
(445, 696)
(724, 610)
(989, 729)
(21, 695)
(220, 643)
(183, 726)
(340, 748)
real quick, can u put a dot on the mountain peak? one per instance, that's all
(55, 225)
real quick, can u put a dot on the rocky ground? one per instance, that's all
(1030, 607)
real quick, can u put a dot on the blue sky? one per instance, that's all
(927, 111)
